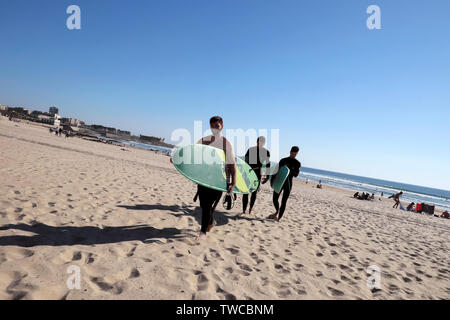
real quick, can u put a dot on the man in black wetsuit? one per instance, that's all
(256, 157)
(294, 169)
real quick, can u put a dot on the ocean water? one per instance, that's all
(411, 193)
(144, 146)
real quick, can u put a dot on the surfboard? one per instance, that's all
(205, 165)
(280, 177)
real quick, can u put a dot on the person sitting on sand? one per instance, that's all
(356, 195)
(210, 197)
(319, 186)
(396, 198)
(410, 207)
(256, 157)
(294, 169)
(445, 214)
(363, 196)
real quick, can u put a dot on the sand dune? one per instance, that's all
(127, 220)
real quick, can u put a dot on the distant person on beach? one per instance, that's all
(356, 195)
(410, 207)
(319, 186)
(294, 170)
(396, 198)
(445, 214)
(256, 157)
(209, 197)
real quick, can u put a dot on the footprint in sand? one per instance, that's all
(284, 293)
(77, 256)
(229, 269)
(17, 289)
(134, 273)
(228, 296)
(335, 292)
(18, 254)
(329, 265)
(90, 258)
(131, 253)
(233, 250)
(202, 282)
(117, 288)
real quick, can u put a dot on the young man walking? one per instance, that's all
(209, 197)
(294, 169)
(256, 157)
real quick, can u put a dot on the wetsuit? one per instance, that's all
(255, 157)
(294, 169)
(210, 197)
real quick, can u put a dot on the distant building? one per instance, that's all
(57, 121)
(44, 117)
(3, 108)
(53, 110)
(76, 122)
(102, 130)
(151, 139)
(36, 114)
(123, 133)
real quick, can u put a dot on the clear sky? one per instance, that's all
(374, 103)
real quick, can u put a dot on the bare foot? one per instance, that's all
(201, 236)
(273, 216)
(211, 226)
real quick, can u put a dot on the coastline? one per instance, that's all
(127, 219)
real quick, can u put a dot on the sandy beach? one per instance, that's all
(127, 219)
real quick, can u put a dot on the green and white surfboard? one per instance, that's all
(205, 165)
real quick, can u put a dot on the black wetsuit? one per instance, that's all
(255, 157)
(208, 202)
(294, 169)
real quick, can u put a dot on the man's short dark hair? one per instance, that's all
(215, 119)
(295, 149)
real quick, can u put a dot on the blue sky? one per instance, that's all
(371, 103)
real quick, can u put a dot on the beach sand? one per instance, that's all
(128, 221)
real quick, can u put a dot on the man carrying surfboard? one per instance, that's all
(256, 157)
(294, 169)
(210, 197)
